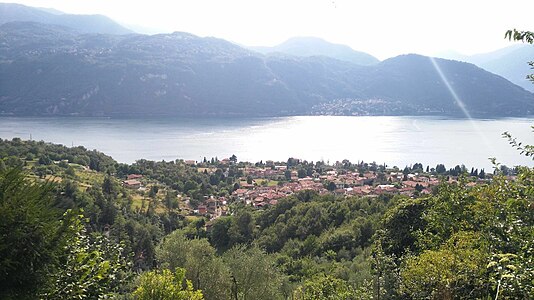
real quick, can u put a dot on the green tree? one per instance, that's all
(219, 237)
(324, 287)
(166, 285)
(205, 270)
(456, 270)
(331, 186)
(233, 158)
(440, 169)
(30, 235)
(241, 230)
(171, 202)
(89, 268)
(253, 274)
(287, 174)
(153, 192)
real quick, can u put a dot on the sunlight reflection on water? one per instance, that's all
(392, 140)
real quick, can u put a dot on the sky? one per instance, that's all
(383, 28)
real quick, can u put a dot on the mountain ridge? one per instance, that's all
(51, 70)
(12, 12)
(509, 62)
(313, 46)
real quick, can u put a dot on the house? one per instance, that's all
(132, 184)
(134, 176)
(202, 209)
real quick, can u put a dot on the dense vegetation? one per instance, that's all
(70, 231)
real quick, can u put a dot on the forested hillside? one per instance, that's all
(53, 70)
(72, 228)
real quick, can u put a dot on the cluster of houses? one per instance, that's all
(350, 183)
(260, 192)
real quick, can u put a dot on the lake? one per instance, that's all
(396, 141)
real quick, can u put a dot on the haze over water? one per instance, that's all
(396, 141)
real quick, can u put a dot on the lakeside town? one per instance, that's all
(262, 184)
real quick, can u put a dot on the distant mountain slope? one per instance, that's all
(52, 70)
(311, 46)
(509, 62)
(415, 79)
(11, 12)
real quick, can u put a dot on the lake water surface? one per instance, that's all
(396, 141)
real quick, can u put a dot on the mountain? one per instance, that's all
(509, 62)
(53, 70)
(312, 46)
(11, 12)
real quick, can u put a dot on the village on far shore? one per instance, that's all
(263, 184)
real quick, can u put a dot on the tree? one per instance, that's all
(331, 186)
(287, 174)
(166, 285)
(253, 274)
(324, 287)
(440, 169)
(110, 187)
(205, 270)
(45, 255)
(91, 268)
(153, 192)
(241, 230)
(171, 202)
(30, 235)
(219, 237)
(233, 158)
(453, 271)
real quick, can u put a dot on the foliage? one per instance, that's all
(324, 287)
(91, 268)
(457, 268)
(469, 242)
(517, 35)
(527, 150)
(30, 238)
(166, 285)
(205, 270)
(253, 273)
(460, 242)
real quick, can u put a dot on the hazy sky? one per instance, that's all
(379, 27)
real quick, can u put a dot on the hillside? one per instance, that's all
(509, 62)
(311, 46)
(11, 12)
(82, 219)
(53, 70)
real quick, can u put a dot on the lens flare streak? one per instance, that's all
(459, 101)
